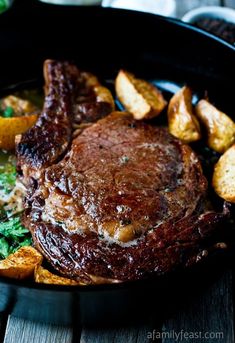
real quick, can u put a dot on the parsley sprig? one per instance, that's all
(7, 177)
(13, 235)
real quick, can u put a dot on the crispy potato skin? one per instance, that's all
(182, 122)
(42, 275)
(223, 179)
(220, 128)
(140, 98)
(21, 264)
(103, 94)
(11, 127)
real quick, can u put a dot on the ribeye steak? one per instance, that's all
(122, 200)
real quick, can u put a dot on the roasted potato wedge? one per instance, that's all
(103, 94)
(21, 264)
(42, 275)
(139, 97)
(224, 175)
(10, 127)
(220, 128)
(181, 120)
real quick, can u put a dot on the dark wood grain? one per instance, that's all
(22, 331)
(139, 333)
(183, 6)
(229, 3)
(127, 335)
(210, 312)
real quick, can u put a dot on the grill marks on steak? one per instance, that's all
(127, 200)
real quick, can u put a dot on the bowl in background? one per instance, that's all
(219, 21)
(216, 12)
(161, 7)
(73, 2)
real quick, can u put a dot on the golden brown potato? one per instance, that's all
(182, 122)
(224, 175)
(19, 106)
(21, 264)
(220, 128)
(42, 275)
(103, 94)
(10, 127)
(139, 97)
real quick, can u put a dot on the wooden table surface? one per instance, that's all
(210, 313)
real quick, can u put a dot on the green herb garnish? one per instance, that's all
(8, 112)
(124, 159)
(7, 177)
(4, 4)
(4, 248)
(13, 236)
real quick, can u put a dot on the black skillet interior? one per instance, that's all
(102, 41)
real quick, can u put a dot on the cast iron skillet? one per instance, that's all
(103, 41)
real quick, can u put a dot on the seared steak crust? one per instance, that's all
(166, 248)
(71, 97)
(45, 142)
(126, 201)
